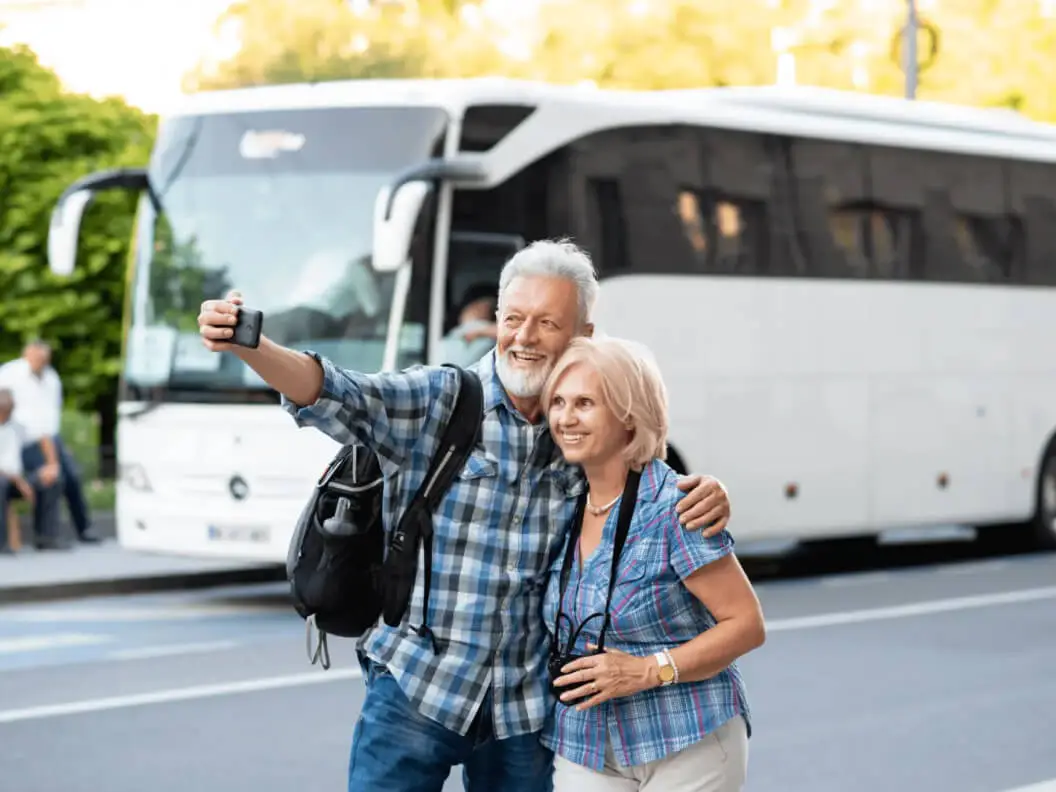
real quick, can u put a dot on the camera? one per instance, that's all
(247, 328)
(554, 665)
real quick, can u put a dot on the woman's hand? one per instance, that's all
(610, 675)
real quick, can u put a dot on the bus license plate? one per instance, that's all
(242, 534)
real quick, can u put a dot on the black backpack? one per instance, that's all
(344, 570)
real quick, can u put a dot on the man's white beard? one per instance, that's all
(522, 382)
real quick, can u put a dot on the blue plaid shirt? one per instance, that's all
(495, 536)
(651, 610)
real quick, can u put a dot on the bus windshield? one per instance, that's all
(279, 205)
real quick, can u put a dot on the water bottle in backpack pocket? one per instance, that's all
(344, 570)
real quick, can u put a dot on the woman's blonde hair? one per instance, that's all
(631, 386)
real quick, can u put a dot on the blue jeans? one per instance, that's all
(395, 749)
(71, 488)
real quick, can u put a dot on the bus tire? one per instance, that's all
(1039, 533)
(1043, 526)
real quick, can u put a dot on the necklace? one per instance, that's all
(597, 511)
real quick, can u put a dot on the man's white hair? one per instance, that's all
(560, 258)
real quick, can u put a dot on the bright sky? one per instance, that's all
(139, 49)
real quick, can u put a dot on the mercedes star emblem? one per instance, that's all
(238, 487)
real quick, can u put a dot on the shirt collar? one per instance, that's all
(494, 393)
(654, 476)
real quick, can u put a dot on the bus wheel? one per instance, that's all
(1045, 517)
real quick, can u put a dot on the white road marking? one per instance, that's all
(972, 568)
(178, 694)
(335, 675)
(35, 643)
(855, 579)
(168, 650)
(913, 609)
(175, 613)
(1041, 786)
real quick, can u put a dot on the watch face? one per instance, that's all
(667, 673)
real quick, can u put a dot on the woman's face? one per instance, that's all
(582, 424)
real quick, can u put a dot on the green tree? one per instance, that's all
(49, 138)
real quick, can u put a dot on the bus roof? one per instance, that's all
(799, 110)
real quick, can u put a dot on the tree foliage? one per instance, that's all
(49, 138)
(991, 52)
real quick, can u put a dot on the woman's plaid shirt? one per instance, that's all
(496, 534)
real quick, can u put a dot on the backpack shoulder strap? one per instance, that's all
(415, 528)
(459, 437)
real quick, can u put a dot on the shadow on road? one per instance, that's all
(813, 559)
(843, 556)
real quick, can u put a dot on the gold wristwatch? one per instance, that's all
(667, 672)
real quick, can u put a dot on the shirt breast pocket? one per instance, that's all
(475, 489)
(633, 614)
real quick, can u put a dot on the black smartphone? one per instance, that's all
(248, 327)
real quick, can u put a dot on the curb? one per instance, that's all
(139, 584)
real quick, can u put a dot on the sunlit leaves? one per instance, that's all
(991, 51)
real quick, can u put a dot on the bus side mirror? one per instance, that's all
(395, 219)
(65, 230)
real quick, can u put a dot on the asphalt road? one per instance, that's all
(933, 678)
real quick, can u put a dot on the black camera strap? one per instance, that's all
(623, 526)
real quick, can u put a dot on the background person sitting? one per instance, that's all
(15, 482)
(37, 390)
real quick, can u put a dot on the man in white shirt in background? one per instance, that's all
(14, 483)
(37, 391)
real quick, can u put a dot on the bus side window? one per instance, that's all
(1041, 240)
(610, 222)
(992, 246)
(876, 240)
(1033, 202)
(825, 177)
(728, 234)
(727, 218)
(943, 257)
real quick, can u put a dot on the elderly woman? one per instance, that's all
(647, 619)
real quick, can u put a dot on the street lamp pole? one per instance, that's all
(910, 49)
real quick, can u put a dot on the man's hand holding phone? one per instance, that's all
(226, 324)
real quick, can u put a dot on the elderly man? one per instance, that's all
(18, 482)
(477, 695)
(38, 410)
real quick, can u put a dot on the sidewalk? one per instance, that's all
(95, 570)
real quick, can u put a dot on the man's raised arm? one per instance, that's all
(296, 375)
(387, 412)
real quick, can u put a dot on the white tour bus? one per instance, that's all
(852, 298)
